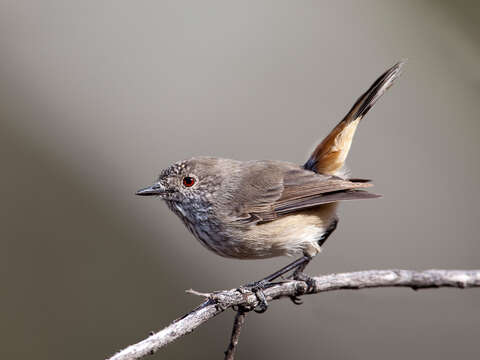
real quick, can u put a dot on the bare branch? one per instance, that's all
(237, 328)
(219, 301)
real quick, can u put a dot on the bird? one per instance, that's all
(266, 208)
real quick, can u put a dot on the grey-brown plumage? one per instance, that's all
(261, 209)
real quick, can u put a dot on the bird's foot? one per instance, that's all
(257, 288)
(301, 276)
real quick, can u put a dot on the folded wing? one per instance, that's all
(297, 189)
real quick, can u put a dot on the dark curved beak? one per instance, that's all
(155, 189)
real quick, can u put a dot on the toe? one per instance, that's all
(296, 300)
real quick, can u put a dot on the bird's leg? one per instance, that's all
(258, 286)
(298, 274)
(297, 264)
(330, 229)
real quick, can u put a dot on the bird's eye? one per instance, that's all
(188, 181)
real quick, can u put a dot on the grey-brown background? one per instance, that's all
(97, 96)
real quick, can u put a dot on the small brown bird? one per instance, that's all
(261, 209)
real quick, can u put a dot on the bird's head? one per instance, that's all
(187, 181)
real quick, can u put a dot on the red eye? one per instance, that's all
(188, 181)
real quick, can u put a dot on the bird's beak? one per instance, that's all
(155, 189)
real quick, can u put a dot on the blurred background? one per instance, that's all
(96, 97)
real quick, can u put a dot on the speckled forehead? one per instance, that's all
(175, 169)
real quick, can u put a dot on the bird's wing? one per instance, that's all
(314, 190)
(289, 190)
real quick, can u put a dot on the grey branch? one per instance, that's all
(237, 328)
(219, 301)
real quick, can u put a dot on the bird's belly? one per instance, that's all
(288, 235)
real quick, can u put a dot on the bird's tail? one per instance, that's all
(330, 154)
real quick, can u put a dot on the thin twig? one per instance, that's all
(219, 301)
(237, 328)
